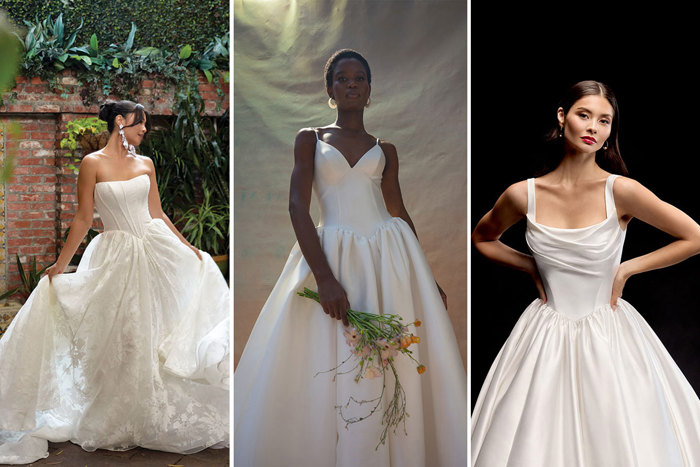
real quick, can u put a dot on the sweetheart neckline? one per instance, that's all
(346, 159)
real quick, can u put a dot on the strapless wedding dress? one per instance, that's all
(130, 350)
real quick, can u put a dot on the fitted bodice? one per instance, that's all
(577, 266)
(123, 204)
(350, 197)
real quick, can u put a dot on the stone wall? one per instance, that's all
(38, 203)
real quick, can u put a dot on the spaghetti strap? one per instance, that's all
(531, 199)
(316, 133)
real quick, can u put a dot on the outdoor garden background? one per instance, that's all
(59, 60)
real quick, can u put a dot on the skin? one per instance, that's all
(111, 163)
(350, 90)
(569, 197)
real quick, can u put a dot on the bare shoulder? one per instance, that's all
(627, 189)
(389, 150)
(516, 196)
(145, 159)
(305, 136)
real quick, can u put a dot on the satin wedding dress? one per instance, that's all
(577, 383)
(284, 415)
(130, 350)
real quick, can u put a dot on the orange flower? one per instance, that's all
(420, 369)
(417, 323)
(415, 339)
(406, 341)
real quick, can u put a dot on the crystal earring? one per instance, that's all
(331, 103)
(129, 147)
(368, 102)
(125, 143)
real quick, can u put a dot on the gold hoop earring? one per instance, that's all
(332, 104)
(605, 146)
(561, 131)
(368, 102)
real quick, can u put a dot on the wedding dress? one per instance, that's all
(578, 383)
(130, 350)
(284, 413)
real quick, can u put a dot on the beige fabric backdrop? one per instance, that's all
(417, 54)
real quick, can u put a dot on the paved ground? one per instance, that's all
(71, 455)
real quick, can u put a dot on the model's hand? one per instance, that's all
(618, 284)
(334, 300)
(443, 295)
(54, 269)
(535, 274)
(196, 251)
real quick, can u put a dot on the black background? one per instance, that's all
(523, 59)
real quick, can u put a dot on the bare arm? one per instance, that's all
(391, 191)
(82, 221)
(510, 207)
(155, 209)
(331, 294)
(633, 200)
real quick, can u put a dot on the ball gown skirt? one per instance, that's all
(579, 383)
(130, 350)
(284, 414)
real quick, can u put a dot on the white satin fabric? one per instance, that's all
(577, 383)
(130, 350)
(286, 416)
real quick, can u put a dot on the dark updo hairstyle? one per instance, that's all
(338, 56)
(111, 108)
(608, 159)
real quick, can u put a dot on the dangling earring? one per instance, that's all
(561, 131)
(368, 102)
(129, 147)
(125, 143)
(605, 146)
(331, 103)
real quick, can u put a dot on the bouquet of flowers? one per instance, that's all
(374, 341)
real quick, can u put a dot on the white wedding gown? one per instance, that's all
(577, 383)
(286, 416)
(130, 350)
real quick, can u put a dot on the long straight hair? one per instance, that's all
(608, 159)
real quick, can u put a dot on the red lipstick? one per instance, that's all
(588, 139)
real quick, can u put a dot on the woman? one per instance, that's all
(583, 380)
(132, 349)
(363, 255)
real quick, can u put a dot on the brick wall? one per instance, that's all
(38, 203)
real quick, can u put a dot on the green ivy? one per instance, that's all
(161, 23)
(117, 68)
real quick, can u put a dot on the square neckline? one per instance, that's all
(609, 213)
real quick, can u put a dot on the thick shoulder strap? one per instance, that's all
(531, 198)
(609, 197)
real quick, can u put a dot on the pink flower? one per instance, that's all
(372, 372)
(352, 337)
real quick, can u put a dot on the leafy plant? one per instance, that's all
(91, 233)
(191, 156)
(118, 68)
(206, 226)
(29, 280)
(77, 130)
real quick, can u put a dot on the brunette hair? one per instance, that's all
(111, 108)
(338, 56)
(608, 159)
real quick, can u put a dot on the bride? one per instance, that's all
(133, 348)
